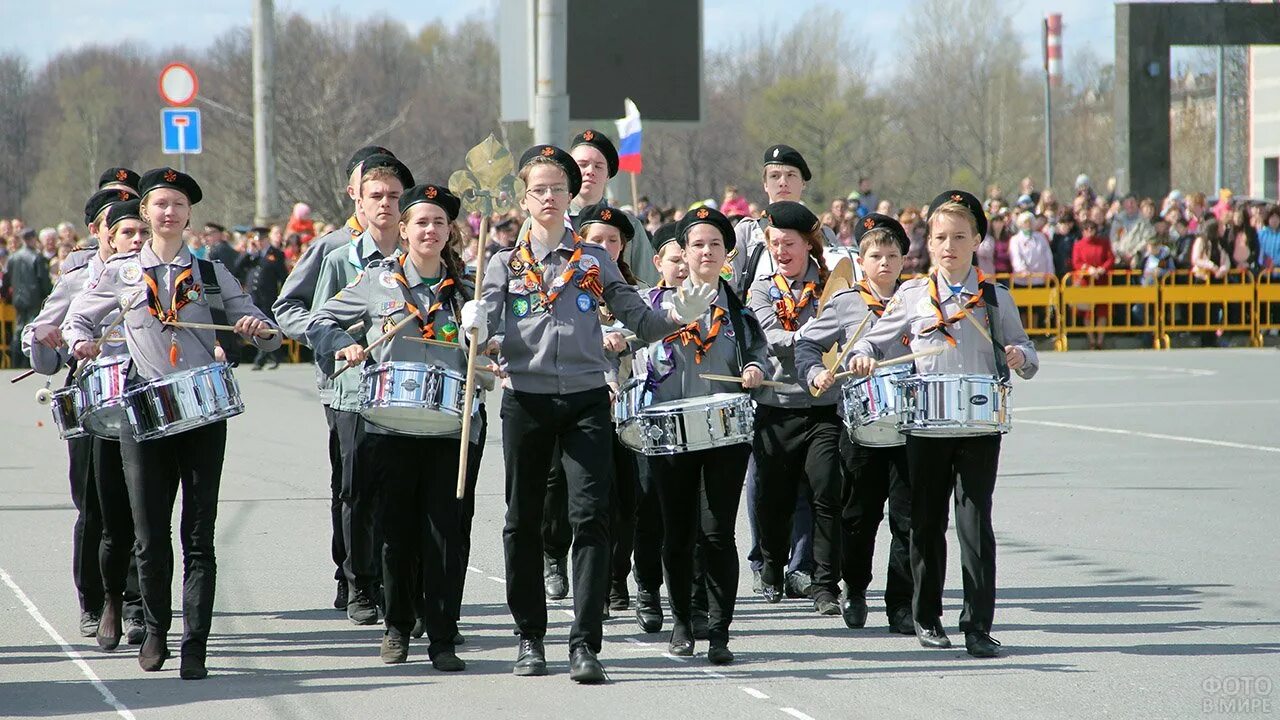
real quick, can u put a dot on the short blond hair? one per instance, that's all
(952, 207)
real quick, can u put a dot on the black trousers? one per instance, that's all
(937, 465)
(153, 471)
(557, 534)
(467, 512)
(797, 447)
(115, 556)
(699, 493)
(86, 535)
(872, 477)
(419, 516)
(647, 549)
(337, 537)
(532, 424)
(361, 530)
(801, 526)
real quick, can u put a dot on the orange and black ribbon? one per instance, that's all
(943, 321)
(874, 303)
(533, 271)
(787, 307)
(690, 334)
(443, 292)
(183, 290)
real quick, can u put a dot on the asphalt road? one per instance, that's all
(1136, 515)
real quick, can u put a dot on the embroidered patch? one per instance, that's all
(775, 293)
(130, 273)
(387, 324)
(585, 303)
(520, 306)
(586, 262)
(390, 306)
(894, 302)
(516, 287)
(387, 280)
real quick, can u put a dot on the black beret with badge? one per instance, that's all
(118, 176)
(972, 203)
(365, 153)
(876, 221)
(127, 210)
(602, 213)
(707, 216)
(103, 199)
(399, 169)
(167, 177)
(665, 233)
(787, 155)
(559, 157)
(791, 215)
(601, 142)
(434, 195)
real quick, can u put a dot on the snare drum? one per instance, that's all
(698, 423)
(629, 402)
(871, 408)
(183, 401)
(68, 408)
(103, 385)
(412, 398)
(953, 405)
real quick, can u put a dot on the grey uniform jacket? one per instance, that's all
(559, 349)
(762, 299)
(78, 269)
(148, 341)
(749, 235)
(911, 313)
(376, 298)
(672, 370)
(637, 253)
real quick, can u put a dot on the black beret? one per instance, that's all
(875, 221)
(664, 234)
(787, 155)
(707, 216)
(102, 199)
(365, 153)
(602, 213)
(601, 142)
(215, 226)
(127, 210)
(167, 177)
(433, 194)
(966, 199)
(398, 168)
(121, 175)
(789, 215)
(559, 157)
(260, 230)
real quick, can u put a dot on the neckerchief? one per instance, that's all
(787, 307)
(691, 334)
(533, 270)
(873, 301)
(184, 291)
(426, 324)
(944, 322)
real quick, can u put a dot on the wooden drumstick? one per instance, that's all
(451, 346)
(978, 325)
(378, 341)
(23, 376)
(844, 352)
(912, 357)
(114, 325)
(733, 379)
(266, 332)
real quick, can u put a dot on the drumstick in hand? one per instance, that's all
(451, 346)
(114, 325)
(844, 352)
(734, 379)
(378, 341)
(978, 325)
(898, 361)
(265, 332)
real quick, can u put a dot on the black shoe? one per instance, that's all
(362, 610)
(605, 613)
(395, 648)
(110, 625)
(554, 578)
(771, 594)
(153, 653)
(900, 621)
(89, 623)
(530, 659)
(419, 628)
(447, 661)
(257, 367)
(192, 668)
(720, 655)
(134, 631)
(933, 636)
(700, 625)
(458, 639)
(584, 667)
(680, 648)
(648, 611)
(797, 584)
(340, 598)
(757, 582)
(854, 610)
(825, 603)
(981, 645)
(274, 363)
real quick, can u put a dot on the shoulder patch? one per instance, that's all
(894, 302)
(387, 279)
(355, 280)
(130, 273)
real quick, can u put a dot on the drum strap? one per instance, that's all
(749, 270)
(997, 342)
(229, 341)
(736, 312)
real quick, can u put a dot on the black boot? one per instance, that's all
(554, 578)
(110, 625)
(153, 653)
(648, 610)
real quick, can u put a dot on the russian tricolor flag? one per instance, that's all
(629, 159)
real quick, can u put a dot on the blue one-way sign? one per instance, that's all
(180, 131)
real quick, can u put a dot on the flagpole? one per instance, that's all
(635, 197)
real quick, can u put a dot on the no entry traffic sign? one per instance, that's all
(178, 84)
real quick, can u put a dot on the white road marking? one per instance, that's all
(1155, 403)
(497, 580)
(93, 678)
(796, 714)
(568, 612)
(1106, 378)
(1144, 368)
(755, 693)
(476, 570)
(711, 673)
(1154, 436)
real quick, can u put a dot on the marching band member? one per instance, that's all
(872, 475)
(380, 186)
(43, 343)
(416, 474)
(699, 491)
(543, 294)
(797, 436)
(293, 311)
(931, 312)
(159, 284)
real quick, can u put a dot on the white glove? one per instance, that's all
(474, 318)
(691, 304)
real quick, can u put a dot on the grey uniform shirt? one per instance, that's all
(559, 349)
(78, 269)
(147, 339)
(673, 371)
(293, 308)
(749, 235)
(762, 299)
(910, 313)
(376, 298)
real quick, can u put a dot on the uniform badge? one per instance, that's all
(924, 307)
(130, 273)
(894, 302)
(449, 332)
(387, 324)
(585, 303)
(517, 265)
(194, 293)
(586, 262)
(390, 306)
(387, 280)
(529, 284)
(520, 306)
(775, 293)
(516, 287)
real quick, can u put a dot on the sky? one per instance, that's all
(38, 30)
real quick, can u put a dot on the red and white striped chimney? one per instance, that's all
(1053, 48)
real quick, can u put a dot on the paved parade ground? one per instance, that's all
(1136, 514)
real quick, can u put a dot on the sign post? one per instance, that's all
(179, 125)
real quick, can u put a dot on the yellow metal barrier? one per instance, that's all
(8, 326)
(1114, 303)
(1267, 299)
(1038, 297)
(1190, 304)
